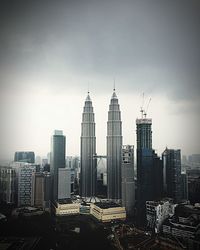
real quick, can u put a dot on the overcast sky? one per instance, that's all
(51, 50)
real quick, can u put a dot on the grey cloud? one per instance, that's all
(103, 39)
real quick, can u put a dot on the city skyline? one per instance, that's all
(50, 52)
(129, 137)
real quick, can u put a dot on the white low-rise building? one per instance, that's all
(157, 212)
(66, 207)
(107, 211)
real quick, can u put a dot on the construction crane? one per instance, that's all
(141, 108)
(145, 111)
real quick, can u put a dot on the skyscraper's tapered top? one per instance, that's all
(88, 97)
(114, 96)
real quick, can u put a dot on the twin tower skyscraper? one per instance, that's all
(88, 178)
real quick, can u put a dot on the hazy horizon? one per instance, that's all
(50, 51)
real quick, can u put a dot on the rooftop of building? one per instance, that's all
(58, 132)
(185, 210)
(24, 152)
(65, 201)
(192, 224)
(143, 121)
(28, 209)
(159, 202)
(105, 205)
(92, 199)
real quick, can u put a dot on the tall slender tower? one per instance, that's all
(114, 149)
(144, 167)
(128, 184)
(144, 157)
(88, 151)
(172, 173)
(57, 161)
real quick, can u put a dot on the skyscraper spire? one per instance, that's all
(88, 150)
(88, 88)
(88, 97)
(114, 147)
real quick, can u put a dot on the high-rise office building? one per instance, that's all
(184, 186)
(193, 180)
(27, 156)
(7, 185)
(38, 181)
(128, 184)
(144, 156)
(42, 189)
(26, 185)
(57, 159)
(88, 163)
(194, 159)
(157, 176)
(114, 147)
(172, 173)
(145, 181)
(144, 133)
(47, 189)
(64, 183)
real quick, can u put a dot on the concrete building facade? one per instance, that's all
(7, 185)
(107, 211)
(128, 184)
(64, 183)
(38, 182)
(66, 207)
(157, 212)
(26, 185)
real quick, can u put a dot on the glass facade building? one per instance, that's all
(172, 173)
(58, 142)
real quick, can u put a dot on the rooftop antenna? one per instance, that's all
(145, 112)
(88, 88)
(141, 108)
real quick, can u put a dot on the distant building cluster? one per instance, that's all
(28, 157)
(184, 225)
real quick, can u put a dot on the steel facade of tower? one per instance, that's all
(88, 151)
(172, 173)
(144, 133)
(57, 159)
(114, 147)
(144, 166)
